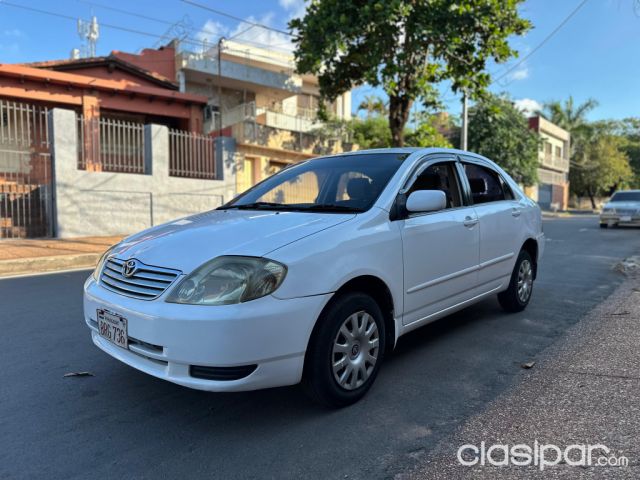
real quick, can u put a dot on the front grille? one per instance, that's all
(625, 212)
(146, 283)
(221, 373)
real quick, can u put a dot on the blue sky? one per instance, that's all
(596, 54)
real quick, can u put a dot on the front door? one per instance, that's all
(440, 249)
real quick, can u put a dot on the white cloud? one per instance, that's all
(262, 37)
(528, 106)
(210, 32)
(295, 8)
(521, 73)
(13, 32)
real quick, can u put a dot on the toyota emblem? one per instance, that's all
(129, 268)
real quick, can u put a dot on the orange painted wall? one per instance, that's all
(161, 61)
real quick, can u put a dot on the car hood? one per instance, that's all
(187, 243)
(623, 205)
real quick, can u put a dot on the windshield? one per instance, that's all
(626, 197)
(345, 183)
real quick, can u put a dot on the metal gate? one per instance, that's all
(25, 171)
(544, 196)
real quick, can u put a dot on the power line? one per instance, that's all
(545, 40)
(239, 19)
(126, 12)
(105, 25)
(190, 27)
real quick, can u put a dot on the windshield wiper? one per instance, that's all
(254, 205)
(318, 207)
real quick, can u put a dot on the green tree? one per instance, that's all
(629, 133)
(405, 46)
(427, 132)
(371, 132)
(569, 116)
(500, 132)
(373, 105)
(600, 165)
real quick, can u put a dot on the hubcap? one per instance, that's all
(525, 281)
(355, 350)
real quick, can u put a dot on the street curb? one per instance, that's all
(22, 266)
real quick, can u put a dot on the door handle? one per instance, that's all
(470, 222)
(515, 212)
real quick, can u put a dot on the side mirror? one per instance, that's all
(426, 201)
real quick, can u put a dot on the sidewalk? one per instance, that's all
(584, 390)
(19, 257)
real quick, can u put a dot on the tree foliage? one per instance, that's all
(628, 130)
(373, 105)
(599, 166)
(371, 132)
(405, 46)
(500, 132)
(569, 116)
(427, 133)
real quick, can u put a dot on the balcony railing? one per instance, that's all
(555, 162)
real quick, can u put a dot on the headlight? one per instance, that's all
(103, 258)
(228, 280)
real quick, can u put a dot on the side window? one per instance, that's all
(440, 176)
(486, 184)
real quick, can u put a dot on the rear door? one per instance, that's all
(499, 216)
(440, 249)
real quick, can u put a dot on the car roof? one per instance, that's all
(621, 191)
(410, 150)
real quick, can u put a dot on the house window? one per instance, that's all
(558, 152)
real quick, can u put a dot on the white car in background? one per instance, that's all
(623, 208)
(314, 273)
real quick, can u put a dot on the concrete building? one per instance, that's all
(256, 98)
(552, 191)
(123, 153)
(110, 145)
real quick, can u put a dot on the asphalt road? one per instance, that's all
(124, 424)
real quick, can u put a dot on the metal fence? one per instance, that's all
(25, 171)
(110, 145)
(191, 155)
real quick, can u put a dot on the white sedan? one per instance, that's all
(313, 274)
(623, 208)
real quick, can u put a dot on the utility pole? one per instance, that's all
(220, 40)
(465, 123)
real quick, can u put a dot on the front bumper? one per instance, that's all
(168, 338)
(615, 219)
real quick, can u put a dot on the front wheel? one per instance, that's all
(346, 351)
(517, 296)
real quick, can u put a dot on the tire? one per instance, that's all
(331, 345)
(603, 225)
(517, 296)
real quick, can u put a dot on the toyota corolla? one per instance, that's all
(313, 274)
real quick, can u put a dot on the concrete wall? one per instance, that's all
(105, 203)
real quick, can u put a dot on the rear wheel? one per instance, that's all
(603, 225)
(517, 296)
(346, 351)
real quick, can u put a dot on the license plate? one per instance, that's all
(625, 218)
(113, 327)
